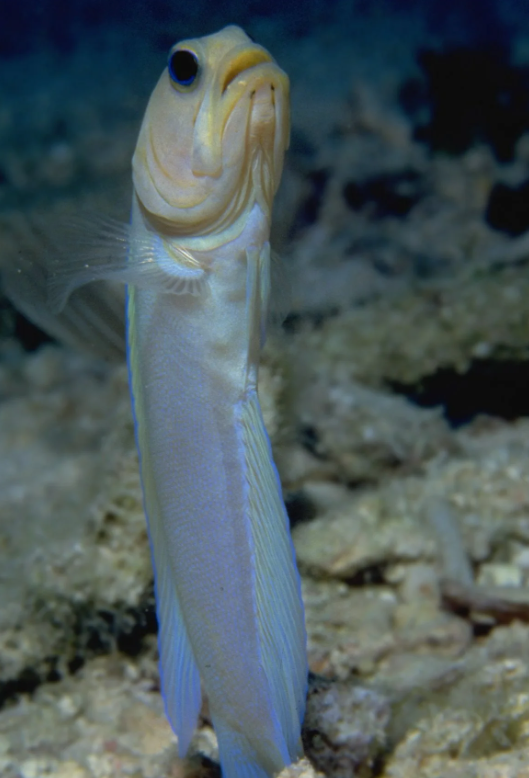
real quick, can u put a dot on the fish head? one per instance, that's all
(213, 136)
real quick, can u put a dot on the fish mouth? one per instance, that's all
(245, 61)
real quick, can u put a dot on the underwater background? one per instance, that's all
(396, 394)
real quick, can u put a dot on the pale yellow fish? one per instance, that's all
(206, 168)
(197, 260)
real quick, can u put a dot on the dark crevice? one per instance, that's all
(309, 209)
(490, 387)
(374, 575)
(26, 683)
(92, 632)
(309, 439)
(141, 622)
(483, 629)
(14, 324)
(300, 508)
(316, 320)
(75, 664)
(100, 631)
(390, 194)
(508, 209)
(30, 679)
(28, 334)
(378, 765)
(472, 94)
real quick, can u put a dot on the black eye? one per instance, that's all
(183, 67)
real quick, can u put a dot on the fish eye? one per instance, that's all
(183, 67)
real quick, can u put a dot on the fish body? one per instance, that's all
(196, 261)
(227, 588)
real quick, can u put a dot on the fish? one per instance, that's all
(198, 267)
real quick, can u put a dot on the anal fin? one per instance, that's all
(180, 680)
(179, 676)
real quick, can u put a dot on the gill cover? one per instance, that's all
(213, 138)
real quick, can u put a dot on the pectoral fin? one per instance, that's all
(94, 318)
(105, 249)
(52, 279)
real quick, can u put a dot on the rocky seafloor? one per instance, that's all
(396, 396)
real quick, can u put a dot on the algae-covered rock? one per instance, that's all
(364, 434)
(370, 532)
(107, 720)
(72, 527)
(344, 731)
(473, 723)
(486, 486)
(409, 335)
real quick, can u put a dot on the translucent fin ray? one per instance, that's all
(94, 318)
(279, 604)
(102, 248)
(179, 676)
(51, 280)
